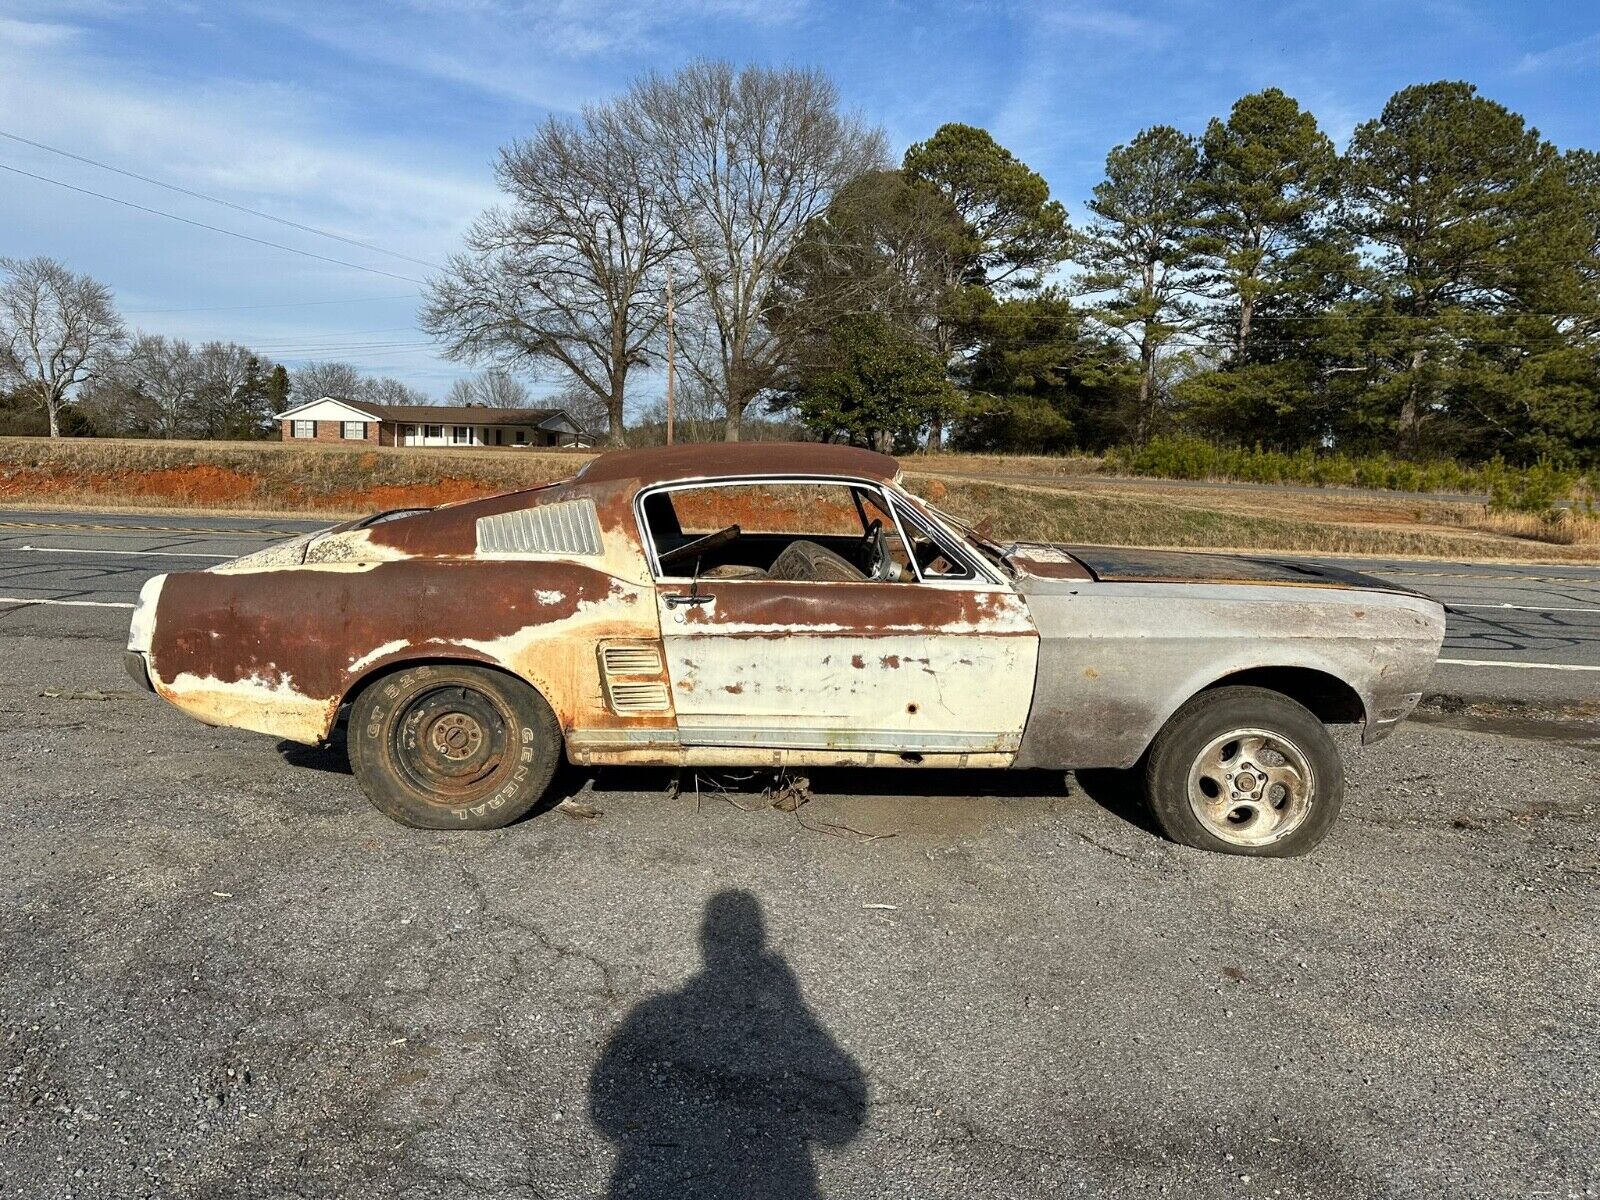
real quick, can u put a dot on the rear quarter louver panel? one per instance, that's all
(634, 674)
(638, 697)
(568, 528)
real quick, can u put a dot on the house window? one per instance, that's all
(461, 435)
(433, 431)
(499, 437)
(522, 437)
(354, 431)
(304, 429)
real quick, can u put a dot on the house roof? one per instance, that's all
(442, 414)
(665, 464)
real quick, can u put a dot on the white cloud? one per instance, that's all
(269, 147)
(1582, 52)
(257, 145)
(32, 35)
(554, 54)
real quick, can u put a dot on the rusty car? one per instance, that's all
(786, 605)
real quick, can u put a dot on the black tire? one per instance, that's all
(453, 746)
(1221, 775)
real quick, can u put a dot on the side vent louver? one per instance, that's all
(570, 527)
(638, 697)
(632, 673)
(632, 660)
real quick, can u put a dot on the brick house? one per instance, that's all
(331, 419)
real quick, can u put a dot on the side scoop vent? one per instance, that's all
(632, 660)
(637, 697)
(571, 527)
(633, 676)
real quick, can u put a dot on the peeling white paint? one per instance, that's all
(142, 627)
(255, 703)
(373, 655)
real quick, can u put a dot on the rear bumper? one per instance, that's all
(138, 668)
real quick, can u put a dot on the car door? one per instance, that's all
(913, 667)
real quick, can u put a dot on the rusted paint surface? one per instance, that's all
(1117, 659)
(850, 667)
(1045, 562)
(279, 652)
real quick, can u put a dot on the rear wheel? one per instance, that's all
(1244, 770)
(453, 746)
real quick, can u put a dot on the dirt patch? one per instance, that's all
(449, 490)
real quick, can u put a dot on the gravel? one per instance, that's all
(224, 974)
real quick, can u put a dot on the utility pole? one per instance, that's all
(670, 349)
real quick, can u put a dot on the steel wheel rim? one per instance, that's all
(1251, 787)
(451, 743)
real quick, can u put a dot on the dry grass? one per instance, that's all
(1561, 527)
(263, 476)
(1095, 514)
(1068, 503)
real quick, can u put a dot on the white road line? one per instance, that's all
(69, 603)
(1526, 607)
(1524, 666)
(118, 553)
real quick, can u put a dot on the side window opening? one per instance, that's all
(820, 532)
(933, 558)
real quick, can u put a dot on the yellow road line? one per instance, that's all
(149, 529)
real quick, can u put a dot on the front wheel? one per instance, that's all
(452, 746)
(1244, 770)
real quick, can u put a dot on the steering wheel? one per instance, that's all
(699, 546)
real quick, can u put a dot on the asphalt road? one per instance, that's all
(224, 974)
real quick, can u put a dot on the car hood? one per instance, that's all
(1120, 564)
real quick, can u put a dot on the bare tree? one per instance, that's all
(314, 380)
(341, 380)
(58, 331)
(385, 389)
(232, 399)
(570, 275)
(581, 404)
(164, 377)
(492, 389)
(743, 158)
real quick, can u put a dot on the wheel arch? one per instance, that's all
(382, 669)
(1330, 699)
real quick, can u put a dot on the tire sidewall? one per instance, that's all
(1208, 716)
(533, 734)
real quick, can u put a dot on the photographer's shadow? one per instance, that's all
(721, 1088)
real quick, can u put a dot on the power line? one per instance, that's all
(338, 262)
(254, 212)
(284, 304)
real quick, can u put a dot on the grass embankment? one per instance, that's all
(1069, 502)
(262, 476)
(1108, 516)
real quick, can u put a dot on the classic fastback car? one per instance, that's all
(784, 605)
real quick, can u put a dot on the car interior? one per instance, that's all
(846, 535)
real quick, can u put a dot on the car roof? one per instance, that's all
(714, 460)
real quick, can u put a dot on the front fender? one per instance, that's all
(1116, 660)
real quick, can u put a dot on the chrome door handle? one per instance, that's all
(676, 601)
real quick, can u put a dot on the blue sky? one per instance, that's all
(380, 121)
